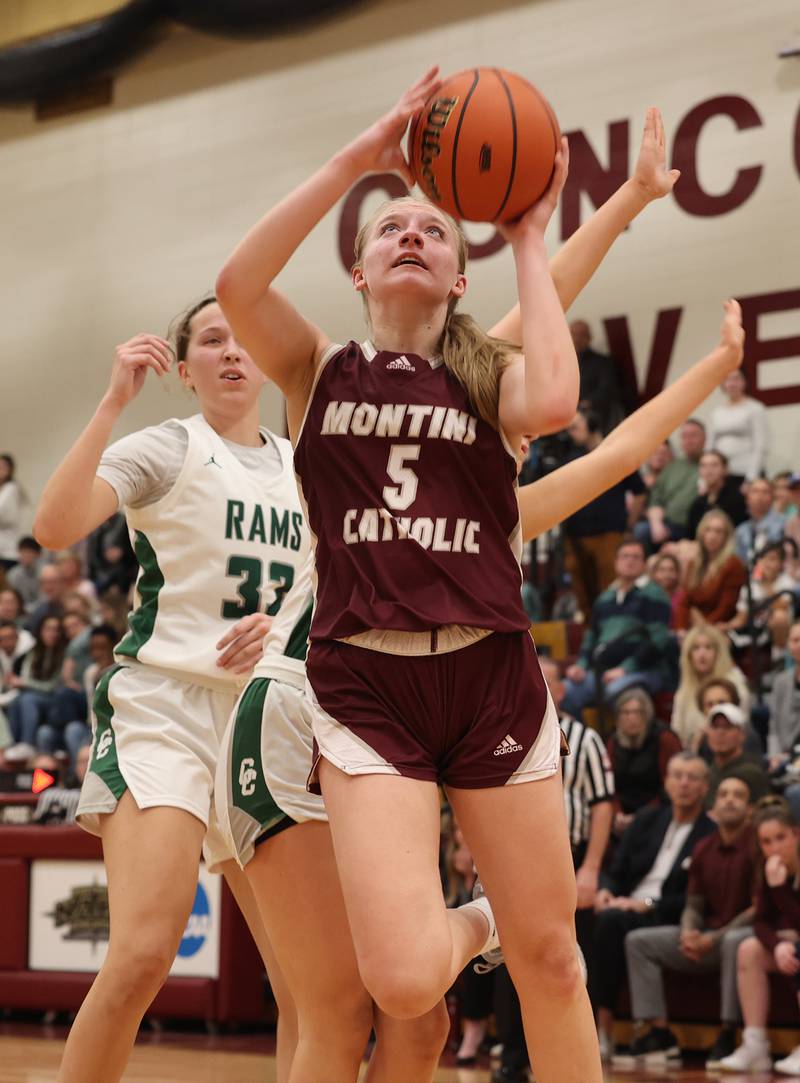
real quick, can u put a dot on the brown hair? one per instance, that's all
(772, 807)
(475, 359)
(718, 682)
(180, 329)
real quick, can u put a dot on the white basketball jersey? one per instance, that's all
(286, 643)
(221, 544)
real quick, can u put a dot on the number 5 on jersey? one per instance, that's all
(404, 493)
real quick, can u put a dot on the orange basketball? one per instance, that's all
(482, 148)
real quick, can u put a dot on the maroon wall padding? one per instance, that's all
(237, 995)
(32, 841)
(14, 925)
(240, 989)
(181, 998)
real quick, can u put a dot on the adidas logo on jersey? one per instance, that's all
(508, 744)
(401, 363)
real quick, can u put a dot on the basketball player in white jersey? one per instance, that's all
(216, 558)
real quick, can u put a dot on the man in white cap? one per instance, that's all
(726, 734)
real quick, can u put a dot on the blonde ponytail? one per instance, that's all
(475, 359)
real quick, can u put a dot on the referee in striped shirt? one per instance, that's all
(589, 805)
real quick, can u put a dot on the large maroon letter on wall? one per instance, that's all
(688, 192)
(586, 174)
(758, 349)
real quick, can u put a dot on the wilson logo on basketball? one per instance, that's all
(438, 115)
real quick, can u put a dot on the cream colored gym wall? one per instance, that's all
(112, 220)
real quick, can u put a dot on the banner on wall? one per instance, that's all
(68, 920)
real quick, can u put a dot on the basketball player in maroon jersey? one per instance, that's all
(420, 659)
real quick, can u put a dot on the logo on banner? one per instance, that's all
(198, 927)
(84, 913)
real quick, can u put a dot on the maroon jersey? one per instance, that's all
(411, 500)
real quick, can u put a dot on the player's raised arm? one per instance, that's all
(550, 500)
(576, 261)
(75, 500)
(284, 344)
(539, 393)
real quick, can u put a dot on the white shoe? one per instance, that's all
(491, 951)
(606, 1046)
(789, 1065)
(747, 1058)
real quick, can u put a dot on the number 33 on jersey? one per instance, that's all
(249, 528)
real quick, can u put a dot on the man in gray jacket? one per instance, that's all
(784, 719)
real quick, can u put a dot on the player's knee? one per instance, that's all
(404, 993)
(749, 952)
(428, 1034)
(549, 963)
(141, 970)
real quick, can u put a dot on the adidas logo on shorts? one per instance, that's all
(401, 363)
(508, 744)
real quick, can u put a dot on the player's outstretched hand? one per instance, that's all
(731, 336)
(131, 361)
(650, 173)
(536, 218)
(378, 149)
(243, 645)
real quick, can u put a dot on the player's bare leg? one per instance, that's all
(409, 946)
(408, 1049)
(287, 1014)
(152, 858)
(534, 905)
(294, 879)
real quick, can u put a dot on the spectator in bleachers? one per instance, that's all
(51, 597)
(38, 678)
(113, 611)
(646, 882)
(665, 572)
(10, 513)
(111, 559)
(24, 576)
(639, 750)
(774, 947)
(792, 525)
(762, 526)
(601, 389)
(592, 535)
(717, 916)
(11, 606)
(72, 578)
(705, 656)
(739, 429)
(628, 639)
(757, 617)
(718, 491)
(674, 491)
(714, 577)
(726, 734)
(783, 735)
(656, 464)
(785, 498)
(73, 732)
(15, 642)
(791, 558)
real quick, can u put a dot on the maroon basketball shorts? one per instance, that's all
(470, 718)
